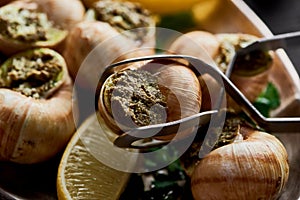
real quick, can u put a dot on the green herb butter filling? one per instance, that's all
(227, 135)
(136, 93)
(23, 24)
(33, 75)
(247, 65)
(229, 131)
(124, 16)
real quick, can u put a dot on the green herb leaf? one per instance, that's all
(175, 166)
(181, 21)
(268, 100)
(164, 184)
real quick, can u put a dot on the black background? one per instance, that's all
(280, 16)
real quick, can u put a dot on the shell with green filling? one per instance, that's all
(36, 104)
(149, 93)
(24, 26)
(124, 29)
(125, 16)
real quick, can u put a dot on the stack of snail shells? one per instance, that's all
(35, 127)
(45, 124)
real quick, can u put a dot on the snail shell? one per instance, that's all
(113, 47)
(180, 86)
(205, 46)
(64, 13)
(208, 47)
(84, 38)
(258, 81)
(180, 89)
(35, 128)
(201, 44)
(18, 40)
(254, 166)
(113, 44)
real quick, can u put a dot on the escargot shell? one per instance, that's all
(24, 26)
(254, 166)
(36, 104)
(120, 30)
(156, 92)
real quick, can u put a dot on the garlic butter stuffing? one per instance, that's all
(34, 76)
(24, 26)
(149, 94)
(36, 106)
(250, 64)
(124, 16)
(136, 92)
(13, 21)
(121, 29)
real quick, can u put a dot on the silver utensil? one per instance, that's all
(265, 44)
(271, 125)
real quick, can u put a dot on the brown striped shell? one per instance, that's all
(178, 84)
(255, 166)
(35, 129)
(112, 47)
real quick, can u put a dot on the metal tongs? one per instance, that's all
(271, 125)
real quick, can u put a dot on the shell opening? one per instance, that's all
(134, 93)
(25, 24)
(125, 16)
(229, 132)
(34, 75)
(247, 65)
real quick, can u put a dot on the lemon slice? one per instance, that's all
(81, 175)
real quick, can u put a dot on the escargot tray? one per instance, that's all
(39, 181)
